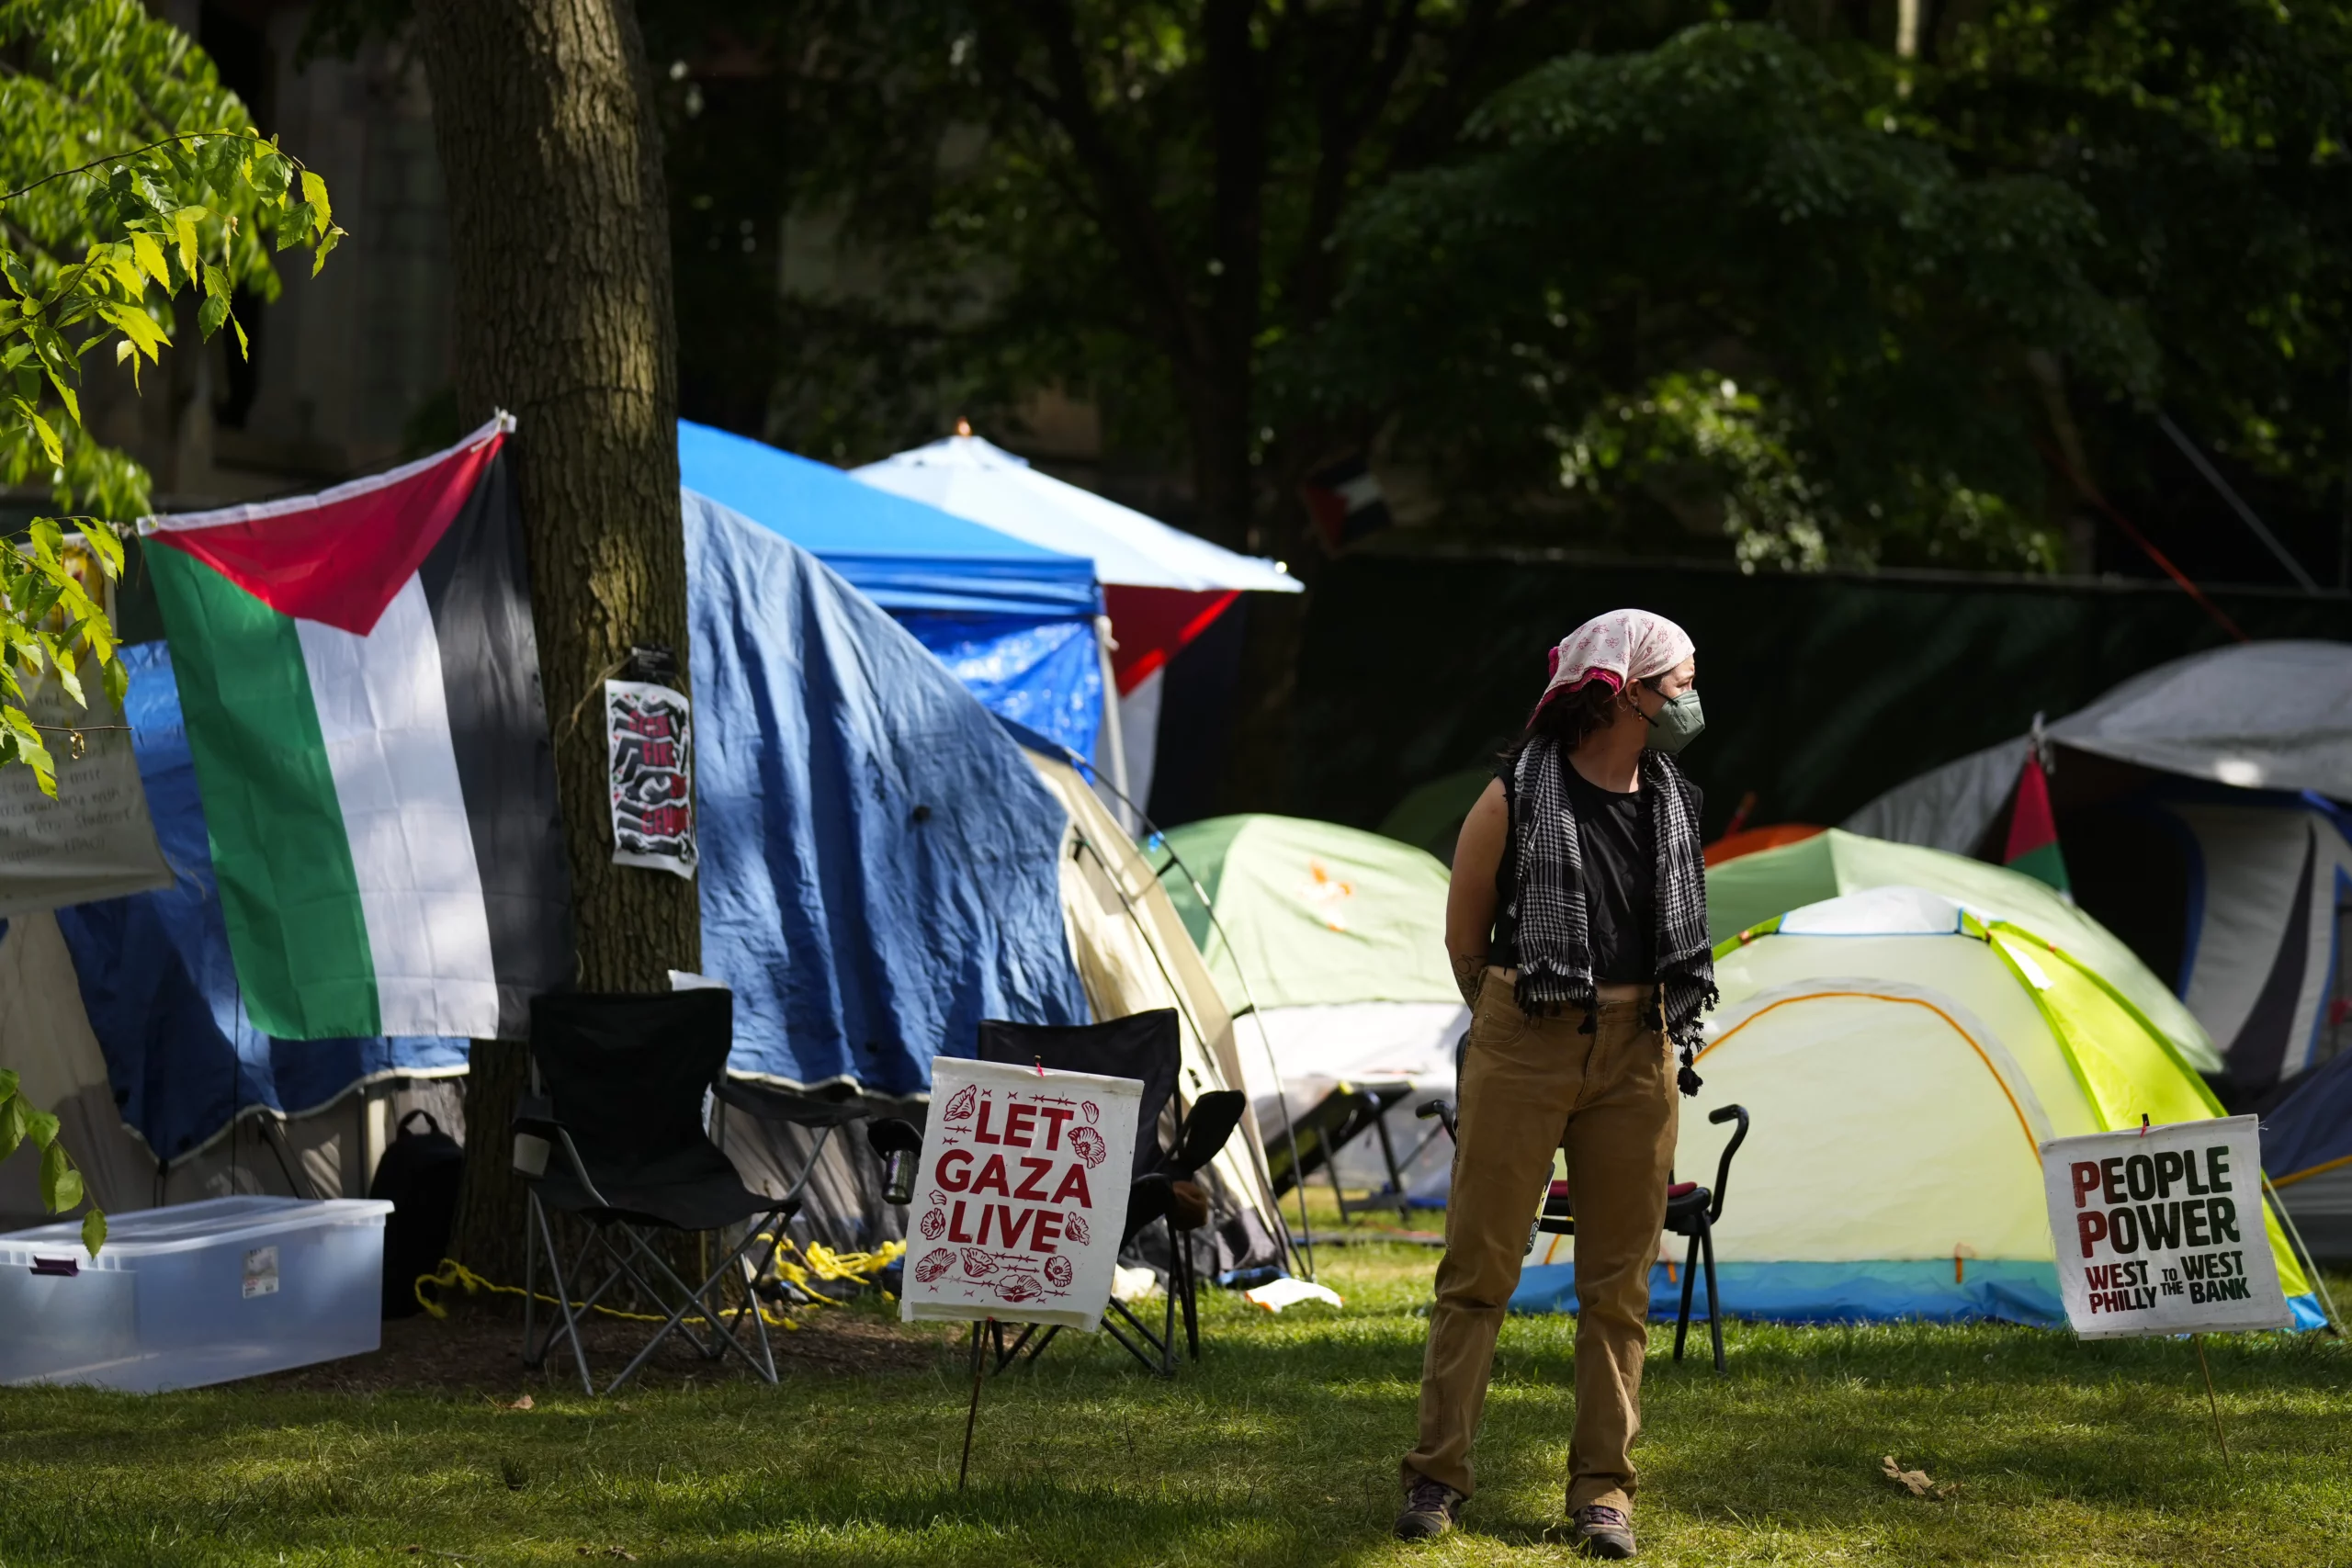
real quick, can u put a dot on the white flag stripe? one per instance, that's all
(384, 716)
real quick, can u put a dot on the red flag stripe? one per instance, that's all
(1152, 626)
(2031, 822)
(341, 556)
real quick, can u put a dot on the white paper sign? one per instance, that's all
(1022, 1195)
(2161, 1231)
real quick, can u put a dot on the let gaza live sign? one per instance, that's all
(1022, 1195)
(2160, 1231)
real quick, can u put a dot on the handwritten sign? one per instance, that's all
(1022, 1196)
(649, 732)
(2162, 1232)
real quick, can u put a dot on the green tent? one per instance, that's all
(1748, 891)
(1322, 914)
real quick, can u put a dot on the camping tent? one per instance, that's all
(1903, 1062)
(1163, 587)
(883, 866)
(2195, 809)
(325, 1150)
(1752, 888)
(2307, 1153)
(879, 861)
(1133, 953)
(1336, 938)
(1014, 621)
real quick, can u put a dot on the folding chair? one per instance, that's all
(1146, 1047)
(1691, 1210)
(612, 1132)
(1335, 1122)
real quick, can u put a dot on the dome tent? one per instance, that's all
(1341, 937)
(1903, 1062)
(1749, 890)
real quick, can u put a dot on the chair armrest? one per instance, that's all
(537, 1135)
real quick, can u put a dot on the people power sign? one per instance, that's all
(2159, 1230)
(1023, 1194)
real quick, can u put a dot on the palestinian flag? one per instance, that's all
(2033, 830)
(360, 684)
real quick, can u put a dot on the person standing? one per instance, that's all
(1578, 929)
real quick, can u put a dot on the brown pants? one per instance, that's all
(1530, 1086)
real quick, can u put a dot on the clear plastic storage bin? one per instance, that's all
(199, 1293)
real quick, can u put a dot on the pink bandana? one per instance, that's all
(1622, 646)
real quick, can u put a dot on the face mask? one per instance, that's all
(1677, 723)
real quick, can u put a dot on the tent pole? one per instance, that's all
(2319, 1281)
(1114, 739)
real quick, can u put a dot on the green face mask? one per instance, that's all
(1677, 723)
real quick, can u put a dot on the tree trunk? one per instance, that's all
(559, 237)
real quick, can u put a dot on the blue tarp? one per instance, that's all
(879, 865)
(2311, 1128)
(157, 981)
(1013, 620)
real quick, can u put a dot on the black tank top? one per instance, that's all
(1619, 850)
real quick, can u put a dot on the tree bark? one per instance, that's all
(560, 238)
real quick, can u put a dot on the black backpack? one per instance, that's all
(419, 1173)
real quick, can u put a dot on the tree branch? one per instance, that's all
(1122, 195)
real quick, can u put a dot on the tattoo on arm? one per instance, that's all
(1469, 973)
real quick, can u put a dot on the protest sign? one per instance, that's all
(2159, 1230)
(650, 735)
(1022, 1196)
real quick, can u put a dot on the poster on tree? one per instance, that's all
(650, 733)
(2160, 1230)
(1022, 1196)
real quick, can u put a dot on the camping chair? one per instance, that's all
(1691, 1210)
(1146, 1047)
(1336, 1121)
(612, 1132)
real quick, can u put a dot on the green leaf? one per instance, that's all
(210, 314)
(94, 1230)
(40, 1126)
(12, 1124)
(61, 1184)
(314, 195)
(294, 226)
(7, 1082)
(151, 259)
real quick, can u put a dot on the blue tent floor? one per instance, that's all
(1920, 1291)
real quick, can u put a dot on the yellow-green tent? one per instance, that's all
(1903, 1061)
(1753, 889)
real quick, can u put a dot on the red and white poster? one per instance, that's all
(1022, 1195)
(2160, 1231)
(650, 733)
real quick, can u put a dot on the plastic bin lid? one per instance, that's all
(147, 1233)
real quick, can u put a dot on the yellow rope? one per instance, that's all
(815, 1261)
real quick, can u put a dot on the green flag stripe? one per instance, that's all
(279, 847)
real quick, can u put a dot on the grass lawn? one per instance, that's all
(1280, 1449)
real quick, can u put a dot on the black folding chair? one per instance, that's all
(1146, 1047)
(612, 1132)
(1691, 1210)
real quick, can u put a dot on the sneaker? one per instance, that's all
(1428, 1510)
(1603, 1531)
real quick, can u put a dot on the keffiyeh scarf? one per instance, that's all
(1548, 906)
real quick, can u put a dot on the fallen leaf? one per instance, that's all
(521, 1404)
(1917, 1482)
